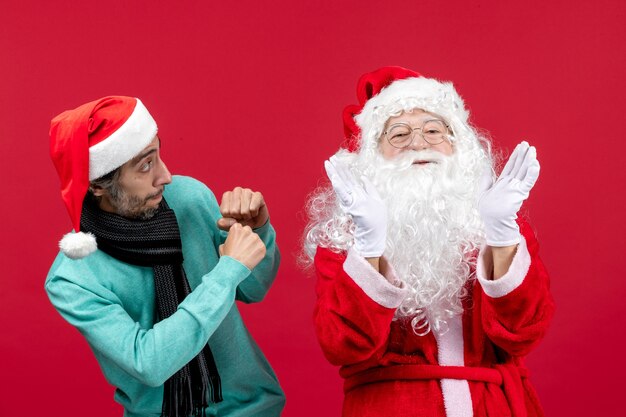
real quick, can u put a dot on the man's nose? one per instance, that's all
(163, 175)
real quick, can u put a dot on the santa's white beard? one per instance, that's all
(434, 231)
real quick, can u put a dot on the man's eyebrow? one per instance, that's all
(139, 157)
(143, 155)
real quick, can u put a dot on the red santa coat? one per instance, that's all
(475, 369)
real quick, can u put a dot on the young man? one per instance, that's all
(430, 291)
(149, 278)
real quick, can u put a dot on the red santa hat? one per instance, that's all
(390, 90)
(88, 142)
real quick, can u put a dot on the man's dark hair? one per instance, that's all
(109, 182)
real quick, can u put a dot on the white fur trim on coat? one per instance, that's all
(457, 398)
(124, 144)
(377, 287)
(509, 281)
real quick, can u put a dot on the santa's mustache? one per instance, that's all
(411, 157)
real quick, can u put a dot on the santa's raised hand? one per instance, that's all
(500, 201)
(361, 201)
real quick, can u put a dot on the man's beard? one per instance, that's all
(132, 206)
(434, 231)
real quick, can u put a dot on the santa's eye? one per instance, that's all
(400, 135)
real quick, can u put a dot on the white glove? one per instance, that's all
(362, 202)
(500, 202)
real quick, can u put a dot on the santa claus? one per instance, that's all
(430, 291)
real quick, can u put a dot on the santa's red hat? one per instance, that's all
(390, 90)
(88, 142)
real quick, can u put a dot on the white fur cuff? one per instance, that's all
(509, 281)
(377, 287)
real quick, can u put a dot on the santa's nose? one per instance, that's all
(418, 142)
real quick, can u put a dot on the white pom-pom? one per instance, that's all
(78, 245)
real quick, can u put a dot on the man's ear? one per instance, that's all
(96, 190)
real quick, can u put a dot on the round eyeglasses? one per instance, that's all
(401, 135)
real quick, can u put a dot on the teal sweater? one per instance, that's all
(112, 304)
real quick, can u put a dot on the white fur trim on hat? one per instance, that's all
(123, 144)
(410, 93)
(78, 245)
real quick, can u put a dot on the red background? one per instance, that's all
(281, 72)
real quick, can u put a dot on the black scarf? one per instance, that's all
(156, 242)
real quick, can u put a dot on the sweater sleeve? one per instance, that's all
(518, 307)
(254, 288)
(354, 308)
(257, 284)
(151, 355)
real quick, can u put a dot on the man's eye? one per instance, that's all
(146, 166)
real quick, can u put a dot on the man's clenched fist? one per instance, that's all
(243, 245)
(244, 206)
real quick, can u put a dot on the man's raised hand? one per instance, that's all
(243, 206)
